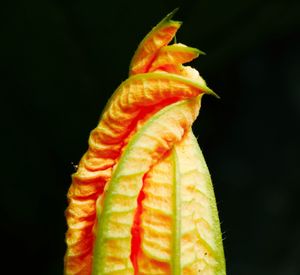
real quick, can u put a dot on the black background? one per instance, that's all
(60, 62)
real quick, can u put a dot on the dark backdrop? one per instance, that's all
(60, 62)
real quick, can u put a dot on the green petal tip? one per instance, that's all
(201, 52)
(211, 92)
(171, 14)
(168, 18)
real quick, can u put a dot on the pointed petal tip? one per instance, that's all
(211, 92)
(201, 52)
(197, 51)
(169, 16)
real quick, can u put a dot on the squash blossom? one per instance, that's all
(142, 201)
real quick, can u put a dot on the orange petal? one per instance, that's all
(147, 146)
(174, 55)
(160, 36)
